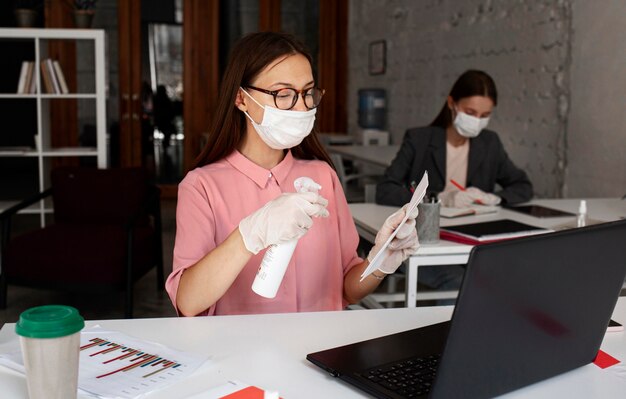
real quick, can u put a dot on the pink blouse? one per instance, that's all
(213, 199)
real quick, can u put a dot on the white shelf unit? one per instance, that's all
(43, 151)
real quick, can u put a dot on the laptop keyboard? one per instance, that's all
(408, 378)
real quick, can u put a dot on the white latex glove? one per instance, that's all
(467, 198)
(283, 219)
(404, 244)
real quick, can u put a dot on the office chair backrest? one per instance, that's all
(100, 196)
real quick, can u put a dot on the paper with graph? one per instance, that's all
(115, 365)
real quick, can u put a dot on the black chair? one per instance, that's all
(106, 235)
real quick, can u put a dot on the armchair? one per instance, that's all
(105, 236)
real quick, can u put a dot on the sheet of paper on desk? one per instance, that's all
(418, 195)
(115, 365)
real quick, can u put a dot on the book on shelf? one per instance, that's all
(486, 232)
(60, 76)
(32, 78)
(53, 76)
(21, 84)
(27, 80)
(46, 79)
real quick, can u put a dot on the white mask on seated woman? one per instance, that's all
(469, 126)
(282, 129)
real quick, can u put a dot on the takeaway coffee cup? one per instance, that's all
(428, 222)
(50, 341)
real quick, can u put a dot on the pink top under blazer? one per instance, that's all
(214, 198)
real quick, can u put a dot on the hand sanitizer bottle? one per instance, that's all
(581, 219)
(277, 257)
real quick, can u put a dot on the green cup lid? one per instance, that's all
(50, 321)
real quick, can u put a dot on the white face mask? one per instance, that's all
(282, 129)
(469, 126)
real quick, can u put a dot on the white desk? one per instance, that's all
(370, 217)
(269, 351)
(338, 138)
(379, 155)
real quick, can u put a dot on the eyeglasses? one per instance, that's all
(287, 98)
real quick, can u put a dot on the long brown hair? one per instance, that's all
(470, 83)
(250, 55)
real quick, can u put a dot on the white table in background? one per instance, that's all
(378, 155)
(370, 217)
(269, 351)
(336, 139)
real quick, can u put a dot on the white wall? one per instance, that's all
(596, 140)
(531, 48)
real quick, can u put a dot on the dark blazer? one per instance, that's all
(424, 148)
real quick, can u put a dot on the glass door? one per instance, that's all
(162, 103)
(151, 88)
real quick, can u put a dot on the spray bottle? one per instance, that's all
(277, 257)
(581, 218)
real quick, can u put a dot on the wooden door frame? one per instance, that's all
(200, 73)
(129, 51)
(333, 65)
(269, 15)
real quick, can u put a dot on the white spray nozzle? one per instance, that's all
(306, 185)
(582, 208)
(582, 214)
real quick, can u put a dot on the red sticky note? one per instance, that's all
(246, 393)
(604, 360)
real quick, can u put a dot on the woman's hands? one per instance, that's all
(404, 244)
(283, 219)
(467, 198)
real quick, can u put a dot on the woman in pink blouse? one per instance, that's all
(240, 199)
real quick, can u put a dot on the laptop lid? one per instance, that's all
(530, 309)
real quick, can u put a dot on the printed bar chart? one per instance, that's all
(135, 357)
(115, 365)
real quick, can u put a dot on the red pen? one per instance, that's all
(457, 185)
(460, 187)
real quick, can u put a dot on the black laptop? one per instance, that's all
(528, 309)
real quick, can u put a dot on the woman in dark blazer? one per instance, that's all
(466, 163)
(478, 161)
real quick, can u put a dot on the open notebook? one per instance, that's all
(449, 212)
